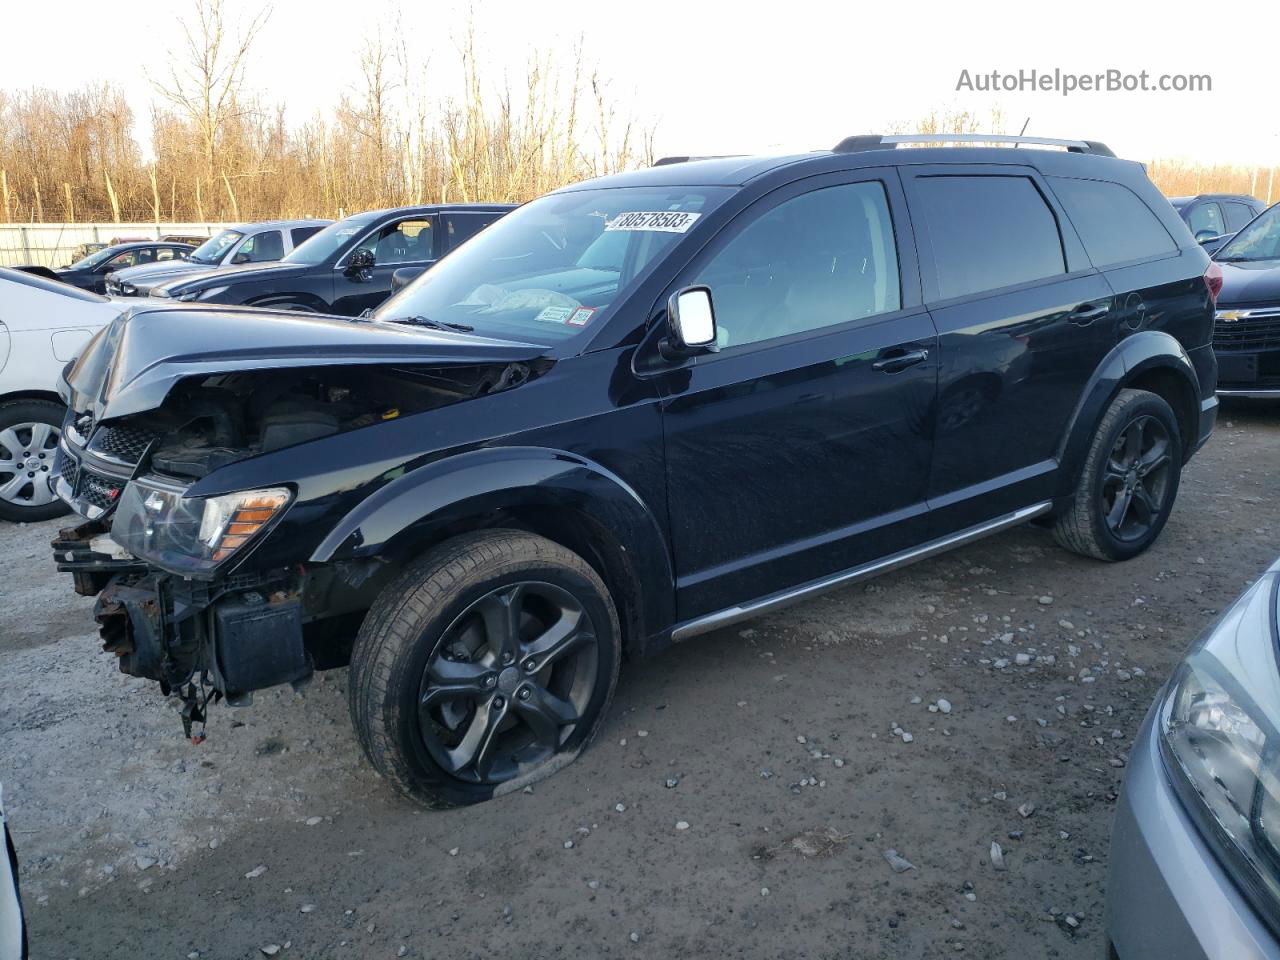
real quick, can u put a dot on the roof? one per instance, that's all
(261, 224)
(739, 171)
(1181, 201)
(434, 208)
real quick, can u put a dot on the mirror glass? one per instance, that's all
(695, 320)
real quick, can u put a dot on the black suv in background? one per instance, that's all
(1210, 216)
(94, 271)
(347, 267)
(262, 242)
(632, 411)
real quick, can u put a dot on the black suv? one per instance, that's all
(348, 266)
(632, 411)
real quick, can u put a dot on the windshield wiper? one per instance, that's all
(432, 324)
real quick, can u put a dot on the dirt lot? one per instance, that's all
(774, 742)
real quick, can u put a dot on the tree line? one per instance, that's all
(222, 153)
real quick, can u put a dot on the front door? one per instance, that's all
(406, 242)
(802, 447)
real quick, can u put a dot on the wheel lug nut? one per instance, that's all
(490, 680)
(499, 702)
(524, 693)
(530, 665)
(507, 658)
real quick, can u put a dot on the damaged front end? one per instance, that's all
(181, 599)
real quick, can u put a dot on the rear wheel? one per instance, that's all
(1129, 482)
(29, 433)
(486, 666)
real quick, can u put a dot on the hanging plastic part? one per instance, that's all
(195, 705)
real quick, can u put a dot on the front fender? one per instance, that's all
(1129, 359)
(482, 482)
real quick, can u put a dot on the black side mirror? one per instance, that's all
(691, 324)
(1204, 236)
(404, 276)
(359, 265)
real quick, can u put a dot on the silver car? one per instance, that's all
(1195, 849)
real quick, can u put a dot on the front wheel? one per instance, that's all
(487, 665)
(29, 432)
(1130, 479)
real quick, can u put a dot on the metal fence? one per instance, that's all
(52, 244)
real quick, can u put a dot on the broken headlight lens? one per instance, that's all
(1219, 728)
(191, 535)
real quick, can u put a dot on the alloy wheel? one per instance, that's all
(508, 682)
(26, 462)
(1135, 480)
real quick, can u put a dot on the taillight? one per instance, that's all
(1213, 279)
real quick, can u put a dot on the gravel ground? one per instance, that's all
(739, 802)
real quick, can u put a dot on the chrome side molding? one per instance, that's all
(732, 615)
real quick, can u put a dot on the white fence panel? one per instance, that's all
(51, 244)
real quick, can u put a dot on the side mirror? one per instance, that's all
(691, 324)
(1204, 236)
(360, 264)
(404, 276)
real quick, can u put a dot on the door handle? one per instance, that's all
(899, 359)
(1086, 313)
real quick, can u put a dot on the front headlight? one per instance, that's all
(128, 289)
(1219, 738)
(191, 535)
(208, 294)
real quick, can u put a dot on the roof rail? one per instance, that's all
(667, 161)
(875, 141)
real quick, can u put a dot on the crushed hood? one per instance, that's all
(131, 364)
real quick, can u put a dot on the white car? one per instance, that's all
(43, 325)
(13, 938)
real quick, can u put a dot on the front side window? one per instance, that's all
(167, 253)
(1206, 221)
(215, 248)
(1112, 221)
(121, 260)
(552, 269)
(404, 241)
(261, 248)
(823, 258)
(989, 232)
(1260, 240)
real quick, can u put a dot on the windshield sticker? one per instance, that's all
(660, 221)
(555, 314)
(581, 317)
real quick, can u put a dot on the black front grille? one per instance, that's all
(99, 491)
(68, 468)
(1249, 333)
(126, 444)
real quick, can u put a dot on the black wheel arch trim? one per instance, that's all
(1124, 366)
(413, 509)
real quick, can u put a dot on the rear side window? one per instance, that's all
(461, 227)
(298, 234)
(1206, 221)
(1113, 222)
(1238, 214)
(989, 232)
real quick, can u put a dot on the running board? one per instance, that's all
(732, 615)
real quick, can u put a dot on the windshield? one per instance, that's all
(1260, 240)
(550, 269)
(319, 247)
(213, 249)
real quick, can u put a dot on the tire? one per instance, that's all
(436, 635)
(25, 466)
(1132, 472)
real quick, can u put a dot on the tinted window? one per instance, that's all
(1238, 214)
(461, 227)
(121, 260)
(298, 234)
(1206, 221)
(989, 232)
(261, 248)
(404, 241)
(819, 259)
(1114, 223)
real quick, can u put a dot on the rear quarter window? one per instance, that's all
(989, 232)
(1112, 221)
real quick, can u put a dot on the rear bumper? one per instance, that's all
(1167, 896)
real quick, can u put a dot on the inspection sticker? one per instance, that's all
(580, 317)
(555, 314)
(660, 221)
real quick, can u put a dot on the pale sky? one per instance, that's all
(738, 77)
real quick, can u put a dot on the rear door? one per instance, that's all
(1237, 214)
(1023, 320)
(801, 448)
(458, 228)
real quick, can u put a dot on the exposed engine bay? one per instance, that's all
(208, 422)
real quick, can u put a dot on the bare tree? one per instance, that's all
(206, 75)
